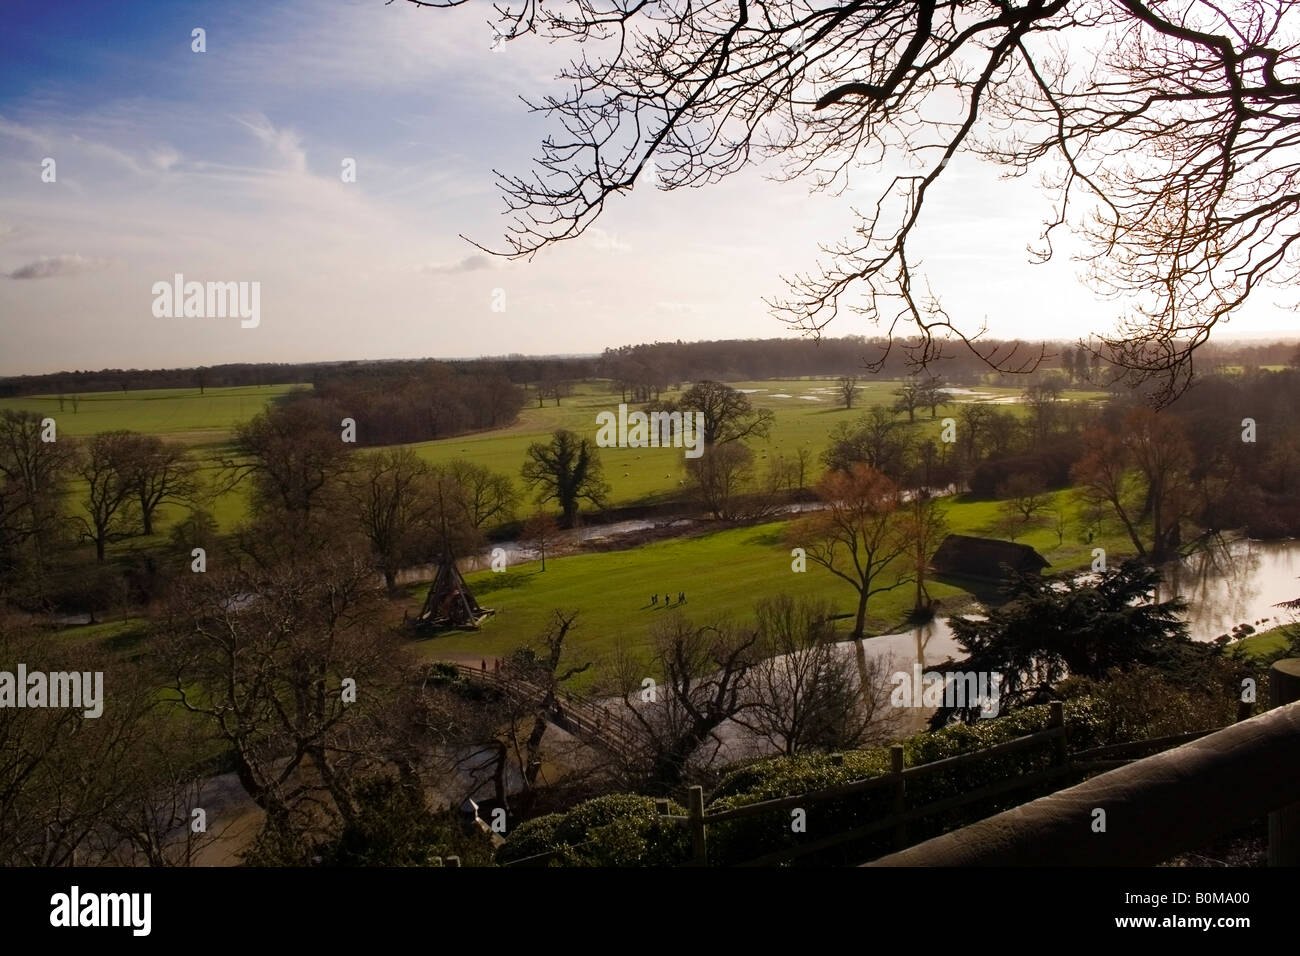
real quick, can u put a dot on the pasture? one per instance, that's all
(723, 574)
(805, 412)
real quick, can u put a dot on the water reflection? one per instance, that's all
(1232, 582)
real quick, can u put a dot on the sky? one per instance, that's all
(225, 166)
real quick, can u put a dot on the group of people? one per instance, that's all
(668, 599)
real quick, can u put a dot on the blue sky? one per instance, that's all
(225, 165)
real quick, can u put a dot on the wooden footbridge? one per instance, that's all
(591, 722)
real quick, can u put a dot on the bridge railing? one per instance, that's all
(584, 717)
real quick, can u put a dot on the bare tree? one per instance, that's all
(908, 398)
(160, 473)
(701, 675)
(485, 496)
(921, 527)
(729, 415)
(292, 454)
(396, 505)
(1173, 142)
(1026, 499)
(106, 464)
(288, 668)
(875, 439)
(807, 692)
(724, 479)
(856, 536)
(1144, 476)
(541, 529)
(35, 474)
(848, 388)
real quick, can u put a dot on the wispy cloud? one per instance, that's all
(471, 263)
(286, 144)
(51, 267)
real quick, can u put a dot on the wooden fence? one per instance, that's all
(1063, 765)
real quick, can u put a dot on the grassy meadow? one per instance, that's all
(723, 572)
(806, 410)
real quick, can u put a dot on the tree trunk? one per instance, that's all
(861, 624)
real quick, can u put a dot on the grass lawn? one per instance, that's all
(805, 412)
(1264, 644)
(723, 574)
(179, 414)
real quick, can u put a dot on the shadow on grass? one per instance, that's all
(982, 589)
(126, 640)
(504, 581)
(769, 539)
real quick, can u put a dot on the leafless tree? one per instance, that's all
(541, 529)
(729, 415)
(855, 536)
(395, 500)
(848, 389)
(105, 463)
(1143, 475)
(808, 694)
(1026, 498)
(33, 478)
(921, 527)
(288, 668)
(160, 472)
(701, 676)
(486, 497)
(908, 398)
(725, 481)
(1165, 133)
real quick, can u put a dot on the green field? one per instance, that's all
(645, 475)
(179, 414)
(635, 475)
(1265, 644)
(723, 574)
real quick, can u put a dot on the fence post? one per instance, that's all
(699, 841)
(1284, 824)
(900, 794)
(1243, 710)
(1062, 747)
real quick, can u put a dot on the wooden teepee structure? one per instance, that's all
(450, 602)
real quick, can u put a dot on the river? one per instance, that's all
(1236, 582)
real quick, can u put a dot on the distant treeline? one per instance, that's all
(418, 401)
(641, 371)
